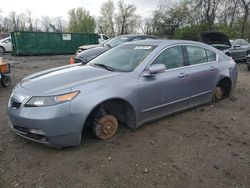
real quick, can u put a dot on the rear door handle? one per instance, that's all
(182, 75)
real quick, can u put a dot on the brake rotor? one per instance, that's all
(217, 94)
(105, 127)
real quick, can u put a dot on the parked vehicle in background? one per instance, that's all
(216, 39)
(4, 35)
(131, 84)
(87, 47)
(102, 38)
(237, 49)
(5, 45)
(86, 56)
(240, 49)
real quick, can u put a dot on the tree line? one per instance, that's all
(184, 19)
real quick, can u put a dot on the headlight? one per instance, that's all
(51, 100)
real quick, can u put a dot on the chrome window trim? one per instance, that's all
(176, 45)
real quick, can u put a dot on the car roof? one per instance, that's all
(137, 35)
(159, 42)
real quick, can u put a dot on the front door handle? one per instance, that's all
(182, 75)
(212, 68)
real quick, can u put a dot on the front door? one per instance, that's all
(165, 92)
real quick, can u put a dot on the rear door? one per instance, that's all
(165, 92)
(203, 72)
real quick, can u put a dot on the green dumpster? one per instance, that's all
(49, 43)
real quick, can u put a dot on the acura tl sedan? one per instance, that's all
(130, 85)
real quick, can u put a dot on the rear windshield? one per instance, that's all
(116, 41)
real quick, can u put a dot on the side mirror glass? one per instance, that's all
(236, 46)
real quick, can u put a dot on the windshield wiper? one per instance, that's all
(104, 66)
(108, 45)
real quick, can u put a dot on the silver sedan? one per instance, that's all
(130, 85)
(240, 49)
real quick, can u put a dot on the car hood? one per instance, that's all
(216, 39)
(63, 78)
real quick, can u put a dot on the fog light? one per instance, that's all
(37, 131)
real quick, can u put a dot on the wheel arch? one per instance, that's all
(3, 48)
(226, 83)
(119, 104)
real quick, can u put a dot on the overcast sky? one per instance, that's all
(54, 8)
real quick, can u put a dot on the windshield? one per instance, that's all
(124, 58)
(116, 41)
(104, 42)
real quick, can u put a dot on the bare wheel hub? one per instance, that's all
(105, 127)
(217, 94)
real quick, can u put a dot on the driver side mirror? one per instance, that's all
(155, 69)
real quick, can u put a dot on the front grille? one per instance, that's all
(15, 105)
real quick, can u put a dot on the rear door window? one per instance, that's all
(211, 56)
(196, 55)
(171, 58)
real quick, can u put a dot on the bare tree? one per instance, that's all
(14, 20)
(29, 20)
(206, 10)
(45, 22)
(229, 12)
(106, 20)
(22, 22)
(126, 18)
(36, 24)
(7, 24)
(147, 26)
(246, 9)
(59, 23)
(169, 17)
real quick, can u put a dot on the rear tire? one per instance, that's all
(5, 81)
(218, 94)
(248, 68)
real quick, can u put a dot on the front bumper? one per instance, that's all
(58, 126)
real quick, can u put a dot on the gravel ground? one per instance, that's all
(208, 146)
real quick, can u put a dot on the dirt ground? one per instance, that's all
(207, 147)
